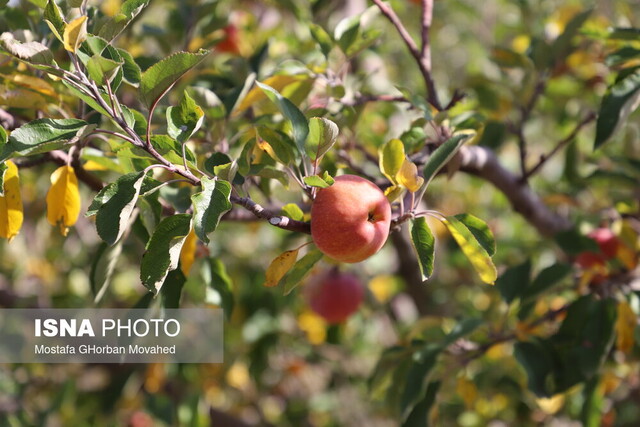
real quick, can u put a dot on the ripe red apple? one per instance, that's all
(607, 241)
(588, 260)
(334, 295)
(350, 219)
(231, 41)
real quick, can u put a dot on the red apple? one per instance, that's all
(334, 295)
(588, 260)
(350, 219)
(607, 241)
(231, 41)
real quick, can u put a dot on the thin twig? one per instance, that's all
(423, 55)
(560, 145)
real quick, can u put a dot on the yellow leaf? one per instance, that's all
(11, 203)
(476, 254)
(391, 158)
(383, 287)
(467, 390)
(551, 405)
(75, 33)
(314, 326)
(392, 193)
(256, 94)
(63, 199)
(266, 147)
(188, 252)
(238, 375)
(111, 7)
(33, 83)
(280, 266)
(21, 98)
(408, 176)
(625, 327)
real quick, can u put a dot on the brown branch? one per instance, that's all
(560, 145)
(366, 98)
(483, 163)
(279, 221)
(422, 56)
(483, 348)
(525, 114)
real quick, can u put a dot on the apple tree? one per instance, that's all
(411, 212)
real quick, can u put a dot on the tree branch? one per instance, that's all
(482, 162)
(560, 145)
(279, 221)
(422, 56)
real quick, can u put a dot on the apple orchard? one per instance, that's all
(412, 212)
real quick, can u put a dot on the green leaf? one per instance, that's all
(209, 205)
(172, 289)
(563, 45)
(424, 244)
(216, 159)
(269, 172)
(575, 353)
(292, 113)
(114, 25)
(346, 32)
(480, 231)
(591, 413)
(102, 268)
(209, 101)
(171, 149)
(300, 270)
(53, 18)
(419, 415)
(31, 52)
(391, 159)
(3, 170)
(324, 40)
(417, 378)
(131, 70)
(473, 250)
(114, 204)
(514, 282)
(618, 103)
(316, 181)
(546, 279)
(323, 133)
(102, 69)
(160, 77)
(536, 357)
(282, 147)
(585, 338)
(628, 33)
(185, 119)
(573, 242)
(621, 56)
(441, 156)
(462, 329)
(293, 211)
(220, 290)
(88, 99)
(43, 135)
(162, 253)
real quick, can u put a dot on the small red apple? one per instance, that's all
(350, 220)
(607, 241)
(231, 41)
(588, 260)
(334, 295)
